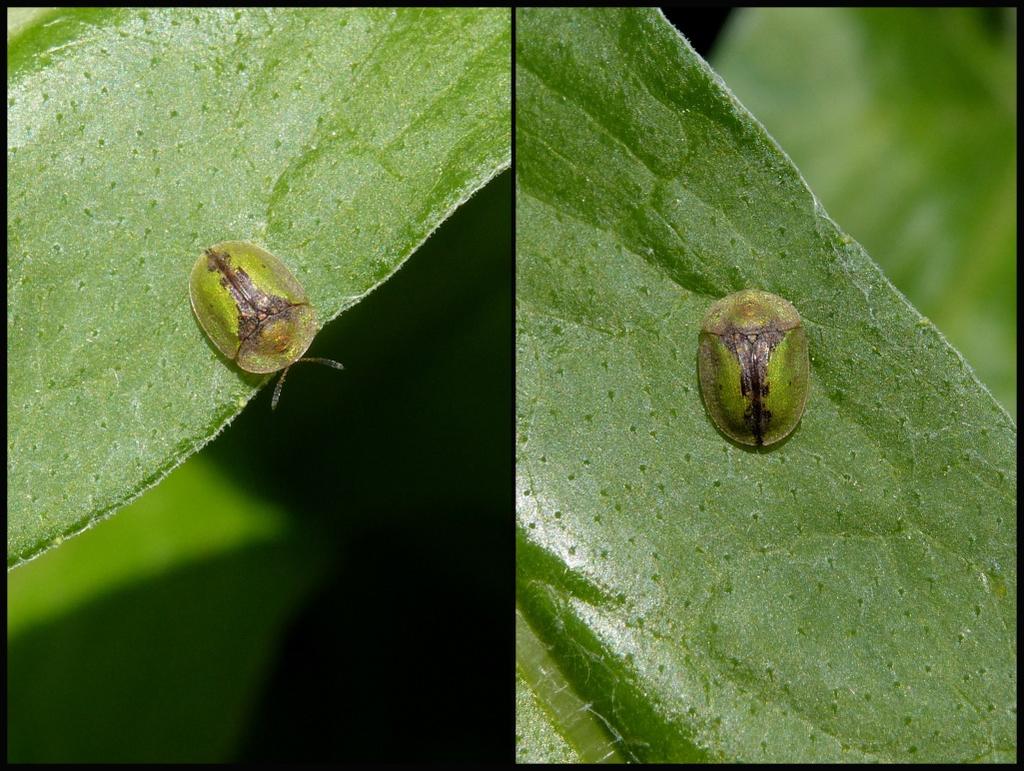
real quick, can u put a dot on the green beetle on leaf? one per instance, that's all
(253, 309)
(753, 366)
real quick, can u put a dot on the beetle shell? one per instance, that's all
(251, 306)
(753, 366)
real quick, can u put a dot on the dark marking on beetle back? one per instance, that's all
(254, 305)
(752, 351)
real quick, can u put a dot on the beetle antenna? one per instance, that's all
(280, 380)
(277, 389)
(327, 362)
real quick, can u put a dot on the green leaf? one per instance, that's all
(848, 594)
(906, 129)
(537, 739)
(338, 139)
(547, 707)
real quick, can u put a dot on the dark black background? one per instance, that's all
(701, 26)
(404, 465)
